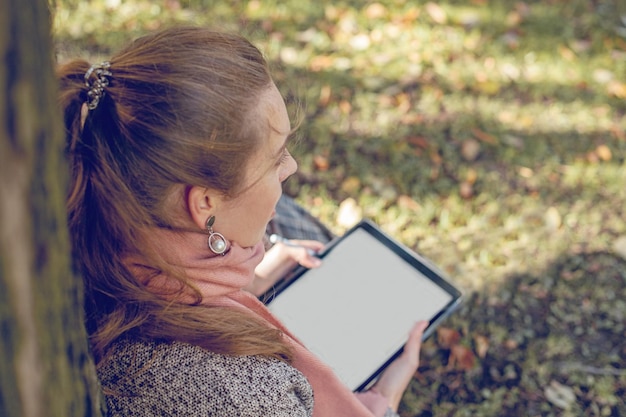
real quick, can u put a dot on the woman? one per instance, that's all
(178, 148)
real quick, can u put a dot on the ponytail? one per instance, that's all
(165, 119)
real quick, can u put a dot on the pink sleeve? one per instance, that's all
(374, 401)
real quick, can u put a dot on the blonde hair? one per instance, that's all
(176, 111)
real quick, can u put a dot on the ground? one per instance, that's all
(487, 135)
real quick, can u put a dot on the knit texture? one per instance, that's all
(162, 379)
(177, 379)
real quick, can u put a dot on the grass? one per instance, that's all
(487, 135)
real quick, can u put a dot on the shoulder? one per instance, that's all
(150, 378)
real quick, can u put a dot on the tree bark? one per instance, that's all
(45, 366)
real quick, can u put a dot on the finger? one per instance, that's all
(413, 345)
(417, 331)
(305, 257)
(311, 244)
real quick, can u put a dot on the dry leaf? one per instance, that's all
(618, 132)
(436, 13)
(345, 106)
(617, 89)
(447, 337)
(619, 246)
(325, 94)
(525, 172)
(435, 157)
(360, 42)
(602, 76)
(484, 136)
(470, 149)
(407, 202)
(321, 62)
(482, 345)
(404, 103)
(375, 11)
(511, 344)
(349, 213)
(419, 141)
(410, 15)
(513, 19)
(466, 190)
(566, 53)
(462, 358)
(560, 395)
(604, 153)
(553, 219)
(351, 185)
(488, 87)
(321, 162)
(471, 176)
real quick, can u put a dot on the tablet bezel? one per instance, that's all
(423, 265)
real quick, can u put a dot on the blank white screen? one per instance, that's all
(355, 310)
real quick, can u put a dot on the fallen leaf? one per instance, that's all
(407, 202)
(466, 190)
(345, 106)
(325, 94)
(511, 344)
(471, 176)
(410, 15)
(604, 153)
(566, 53)
(470, 149)
(321, 162)
(553, 219)
(351, 185)
(488, 87)
(617, 89)
(618, 132)
(619, 246)
(404, 103)
(436, 13)
(419, 141)
(482, 345)
(511, 39)
(602, 76)
(435, 157)
(560, 395)
(525, 172)
(484, 136)
(360, 42)
(522, 8)
(447, 337)
(461, 357)
(321, 62)
(592, 157)
(513, 19)
(349, 213)
(375, 11)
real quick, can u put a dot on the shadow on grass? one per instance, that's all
(552, 345)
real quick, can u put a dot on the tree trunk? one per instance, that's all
(45, 366)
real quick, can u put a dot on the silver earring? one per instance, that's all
(217, 242)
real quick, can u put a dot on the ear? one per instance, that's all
(201, 203)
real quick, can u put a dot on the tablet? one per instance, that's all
(355, 311)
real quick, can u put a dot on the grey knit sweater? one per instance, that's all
(151, 379)
(177, 379)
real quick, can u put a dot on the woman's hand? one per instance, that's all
(396, 378)
(280, 259)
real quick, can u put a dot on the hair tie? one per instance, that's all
(96, 88)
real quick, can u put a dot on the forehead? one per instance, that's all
(272, 121)
(271, 103)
